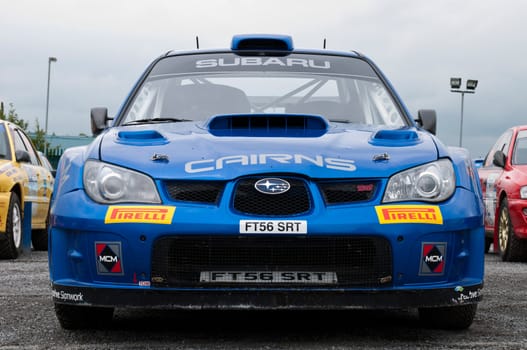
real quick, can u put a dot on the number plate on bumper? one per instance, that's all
(268, 277)
(273, 226)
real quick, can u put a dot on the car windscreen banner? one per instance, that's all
(296, 63)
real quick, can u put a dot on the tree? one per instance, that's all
(12, 116)
(39, 138)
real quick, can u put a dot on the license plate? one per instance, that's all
(268, 277)
(273, 226)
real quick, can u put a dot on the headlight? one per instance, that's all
(523, 192)
(432, 182)
(106, 183)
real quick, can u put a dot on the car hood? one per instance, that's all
(190, 150)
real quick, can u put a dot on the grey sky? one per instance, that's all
(103, 46)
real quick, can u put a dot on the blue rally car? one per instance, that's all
(265, 177)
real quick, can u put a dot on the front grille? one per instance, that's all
(177, 261)
(248, 200)
(341, 192)
(207, 192)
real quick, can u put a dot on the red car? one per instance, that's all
(503, 177)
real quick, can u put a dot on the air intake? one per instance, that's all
(151, 137)
(268, 125)
(262, 42)
(396, 137)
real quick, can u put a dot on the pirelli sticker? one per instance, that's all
(119, 214)
(409, 214)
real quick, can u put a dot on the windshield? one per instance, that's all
(197, 87)
(520, 150)
(4, 144)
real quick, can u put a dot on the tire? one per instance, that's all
(83, 317)
(511, 248)
(488, 243)
(450, 317)
(11, 244)
(39, 239)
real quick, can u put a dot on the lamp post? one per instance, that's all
(455, 85)
(50, 59)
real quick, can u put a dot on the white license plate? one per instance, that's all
(273, 226)
(268, 277)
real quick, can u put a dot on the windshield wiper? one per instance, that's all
(157, 120)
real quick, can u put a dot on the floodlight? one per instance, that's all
(471, 84)
(455, 83)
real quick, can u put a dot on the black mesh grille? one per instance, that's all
(195, 191)
(255, 125)
(357, 261)
(347, 192)
(248, 200)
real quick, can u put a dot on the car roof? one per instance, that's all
(263, 43)
(8, 123)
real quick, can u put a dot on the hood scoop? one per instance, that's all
(151, 137)
(268, 125)
(397, 137)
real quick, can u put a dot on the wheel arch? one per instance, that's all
(6, 197)
(499, 199)
(18, 190)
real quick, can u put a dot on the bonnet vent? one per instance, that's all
(141, 137)
(266, 125)
(398, 137)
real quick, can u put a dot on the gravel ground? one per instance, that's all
(27, 321)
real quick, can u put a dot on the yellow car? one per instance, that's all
(25, 183)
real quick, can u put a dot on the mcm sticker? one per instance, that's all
(108, 257)
(433, 257)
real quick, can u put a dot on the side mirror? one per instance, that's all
(99, 117)
(427, 119)
(499, 159)
(22, 156)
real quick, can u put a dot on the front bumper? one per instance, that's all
(92, 263)
(267, 299)
(517, 208)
